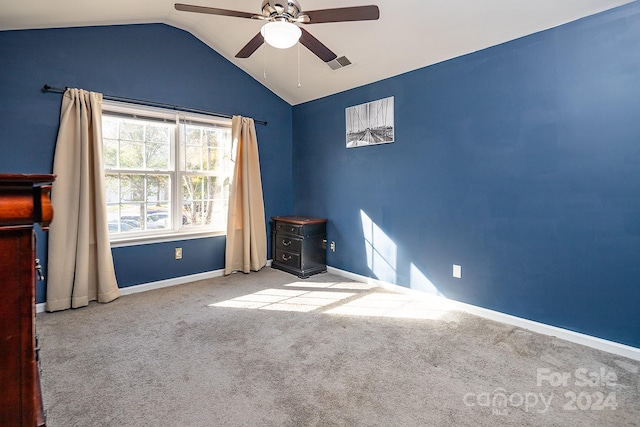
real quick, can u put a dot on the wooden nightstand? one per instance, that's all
(299, 245)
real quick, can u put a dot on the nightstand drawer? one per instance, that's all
(287, 258)
(289, 228)
(288, 243)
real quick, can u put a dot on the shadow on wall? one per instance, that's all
(382, 258)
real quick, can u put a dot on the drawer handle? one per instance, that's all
(286, 242)
(39, 270)
(292, 229)
(286, 257)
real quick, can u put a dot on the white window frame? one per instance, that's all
(178, 119)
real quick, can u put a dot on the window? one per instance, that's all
(165, 172)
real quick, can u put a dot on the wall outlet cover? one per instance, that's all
(457, 271)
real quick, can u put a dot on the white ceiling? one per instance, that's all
(410, 34)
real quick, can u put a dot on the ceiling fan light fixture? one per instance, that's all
(281, 34)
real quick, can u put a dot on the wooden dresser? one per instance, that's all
(299, 245)
(24, 201)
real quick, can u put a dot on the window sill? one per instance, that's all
(123, 241)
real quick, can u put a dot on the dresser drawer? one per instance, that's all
(287, 258)
(288, 243)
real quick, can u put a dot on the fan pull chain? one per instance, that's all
(264, 63)
(299, 84)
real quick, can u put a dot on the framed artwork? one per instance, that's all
(370, 123)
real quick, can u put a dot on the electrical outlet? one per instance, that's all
(457, 271)
(333, 246)
(178, 253)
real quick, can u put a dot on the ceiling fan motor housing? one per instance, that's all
(280, 10)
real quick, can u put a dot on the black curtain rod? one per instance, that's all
(47, 88)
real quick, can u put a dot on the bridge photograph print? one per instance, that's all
(370, 123)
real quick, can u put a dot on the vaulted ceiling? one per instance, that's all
(410, 34)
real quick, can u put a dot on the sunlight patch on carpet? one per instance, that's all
(344, 298)
(394, 305)
(286, 300)
(332, 285)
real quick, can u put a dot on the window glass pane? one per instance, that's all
(158, 133)
(187, 214)
(204, 201)
(112, 217)
(158, 216)
(193, 135)
(123, 218)
(109, 127)
(219, 203)
(131, 155)
(223, 165)
(110, 153)
(131, 188)
(112, 183)
(131, 213)
(158, 188)
(157, 156)
(122, 227)
(191, 187)
(210, 162)
(193, 158)
(192, 196)
(213, 160)
(131, 131)
(193, 213)
(211, 137)
(198, 139)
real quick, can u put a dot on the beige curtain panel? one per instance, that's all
(80, 264)
(246, 229)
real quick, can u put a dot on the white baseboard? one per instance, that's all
(175, 281)
(541, 328)
(170, 282)
(40, 308)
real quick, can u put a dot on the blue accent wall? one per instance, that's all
(521, 163)
(153, 62)
(156, 261)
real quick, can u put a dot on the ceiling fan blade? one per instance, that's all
(343, 14)
(212, 11)
(315, 46)
(251, 47)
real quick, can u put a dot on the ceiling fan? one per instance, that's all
(281, 17)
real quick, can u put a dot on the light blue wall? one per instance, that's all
(152, 62)
(521, 163)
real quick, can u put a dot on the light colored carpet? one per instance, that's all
(269, 349)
